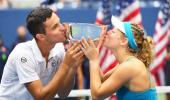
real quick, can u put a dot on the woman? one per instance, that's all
(131, 79)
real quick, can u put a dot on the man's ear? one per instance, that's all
(124, 41)
(40, 36)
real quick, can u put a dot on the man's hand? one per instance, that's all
(74, 55)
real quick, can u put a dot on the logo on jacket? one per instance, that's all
(23, 59)
(53, 63)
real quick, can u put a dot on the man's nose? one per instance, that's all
(65, 27)
(62, 27)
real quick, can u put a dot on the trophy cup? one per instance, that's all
(83, 30)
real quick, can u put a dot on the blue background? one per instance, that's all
(11, 19)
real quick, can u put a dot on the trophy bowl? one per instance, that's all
(84, 30)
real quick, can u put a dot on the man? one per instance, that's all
(38, 69)
(3, 55)
(21, 36)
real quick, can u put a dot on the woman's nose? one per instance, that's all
(109, 31)
(109, 27)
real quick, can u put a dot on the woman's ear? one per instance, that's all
(124, 41)
(40, 36)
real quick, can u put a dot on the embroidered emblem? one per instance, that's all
(53, 63)
(23, 59)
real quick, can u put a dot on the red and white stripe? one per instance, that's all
(132, 13)
(160, 38)
(99, 16)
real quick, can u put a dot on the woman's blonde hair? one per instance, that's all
(145, 45)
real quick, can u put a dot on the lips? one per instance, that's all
(65, 35)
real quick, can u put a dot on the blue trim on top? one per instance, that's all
(129, 35)
(125, 94)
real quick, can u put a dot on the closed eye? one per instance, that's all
(113, 31)
(55, 26)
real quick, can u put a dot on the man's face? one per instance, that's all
(55, 31)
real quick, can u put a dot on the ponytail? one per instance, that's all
(145, 45)
(146, 52)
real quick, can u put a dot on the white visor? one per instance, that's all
(117, 23)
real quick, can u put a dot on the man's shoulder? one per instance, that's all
(24, 48)
(59, 47)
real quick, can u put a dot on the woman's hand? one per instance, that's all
(89, 49)
(102, 36)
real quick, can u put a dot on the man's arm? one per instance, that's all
(80, 77)
(40, 92)
(47, 92)
(69, 81)
(67, 84)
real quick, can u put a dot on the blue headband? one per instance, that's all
(129, 35)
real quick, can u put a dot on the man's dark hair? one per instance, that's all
(36, 18)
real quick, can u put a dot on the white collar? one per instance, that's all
(38, 55)
(36, 51)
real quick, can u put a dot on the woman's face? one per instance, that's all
(113, 38)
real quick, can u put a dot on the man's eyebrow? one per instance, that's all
(56, 24)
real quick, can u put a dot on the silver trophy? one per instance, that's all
(79, 30)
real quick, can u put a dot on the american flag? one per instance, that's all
(160, 38)
(126, 10)
(129, 10)
(107, 60)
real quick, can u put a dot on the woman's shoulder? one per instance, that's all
(133, 65)
(132, 62)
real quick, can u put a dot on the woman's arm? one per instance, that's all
(107, 75)
(101, 90)
(111, 81)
